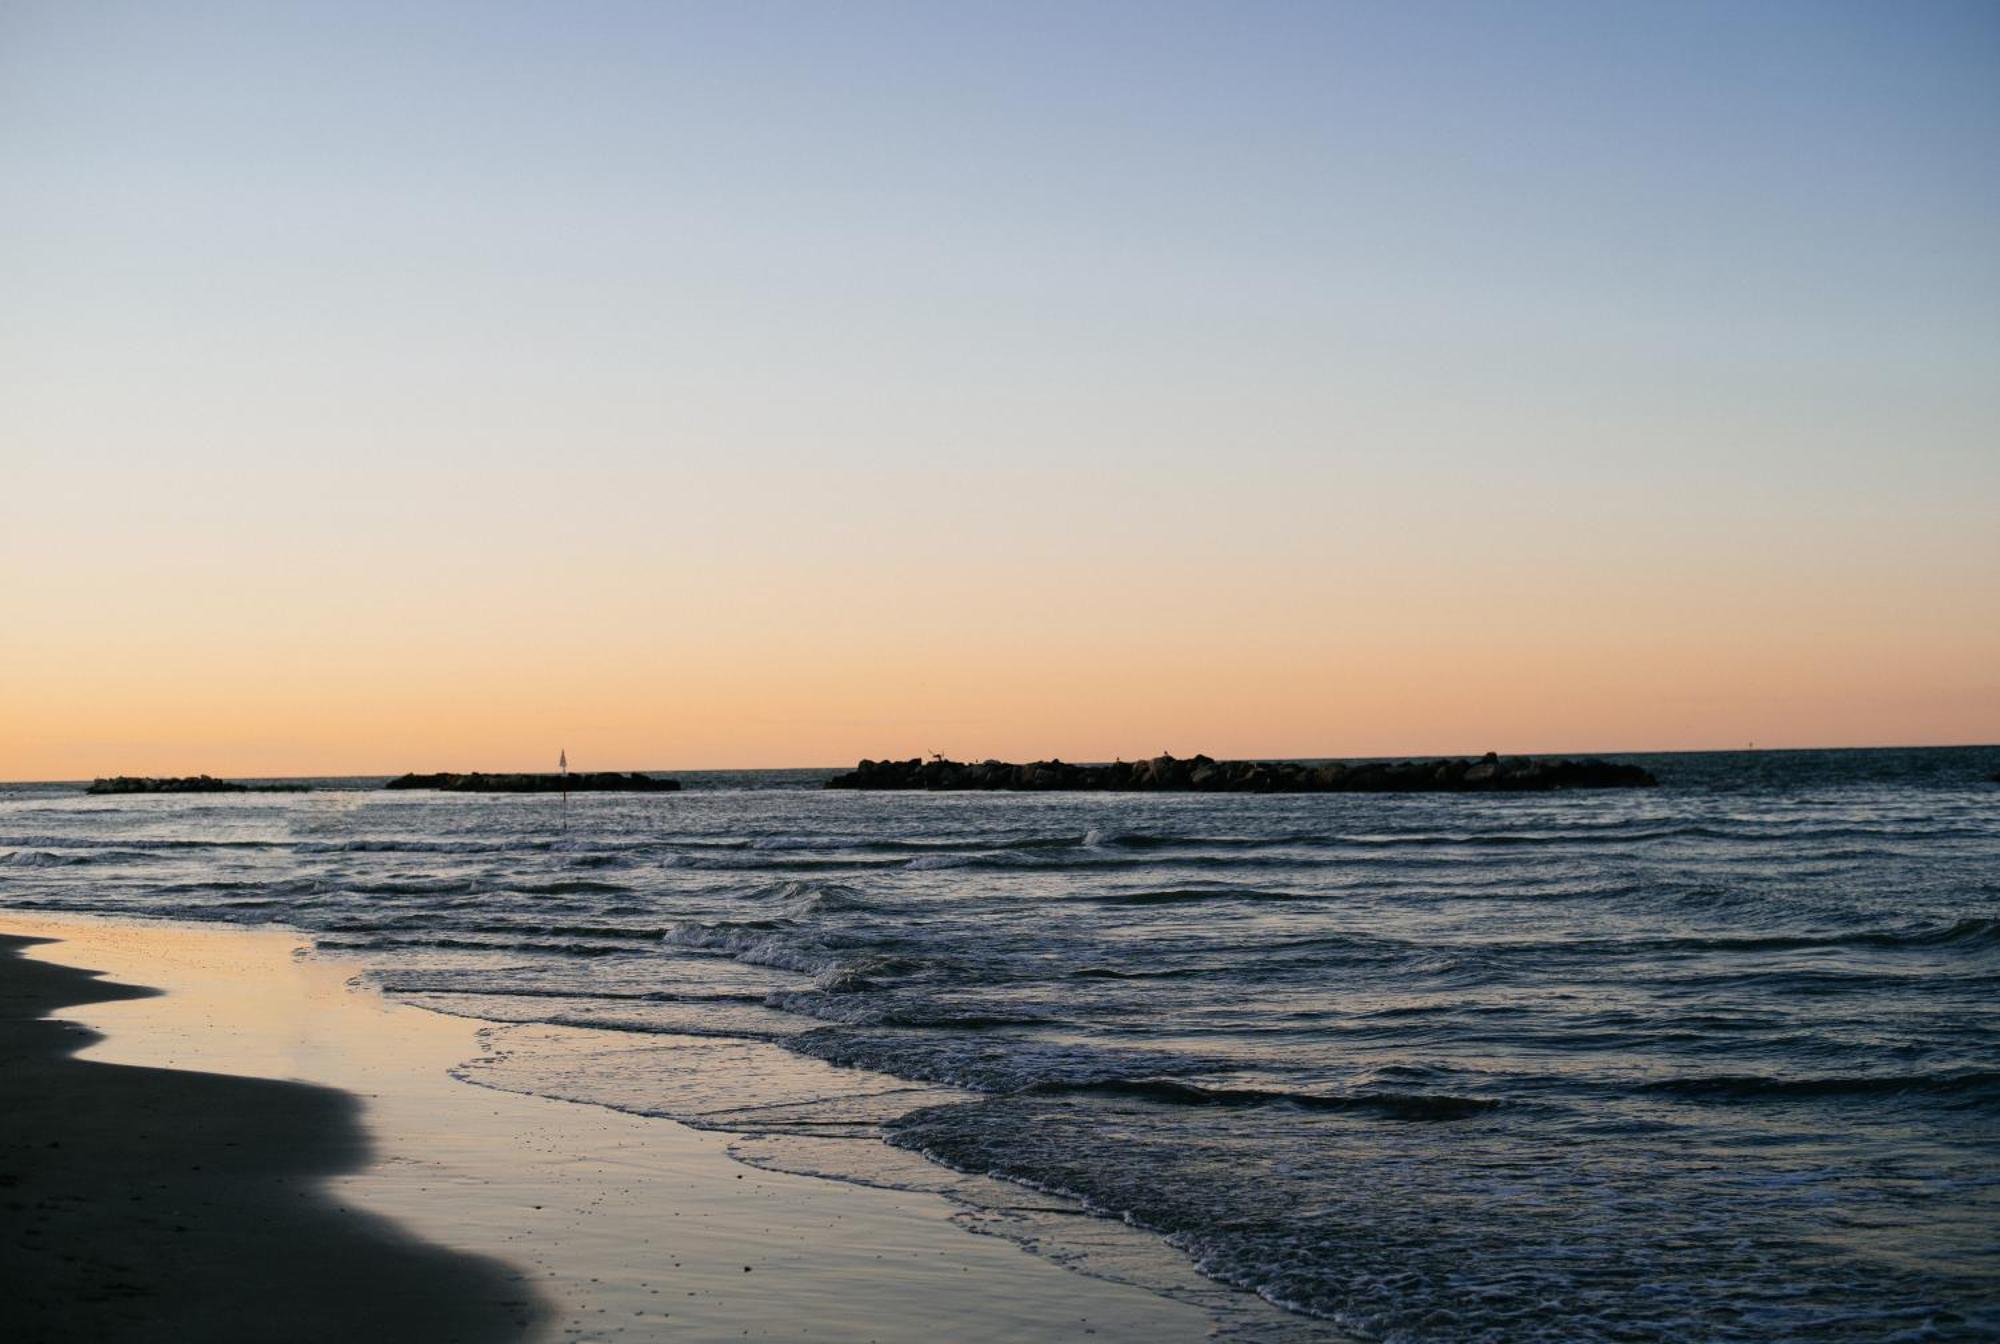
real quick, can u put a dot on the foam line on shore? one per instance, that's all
(565, 1216)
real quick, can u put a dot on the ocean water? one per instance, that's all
(1714, 1061)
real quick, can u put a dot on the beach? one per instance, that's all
(1710, 1059)
(155, 1202)
(265, 1149)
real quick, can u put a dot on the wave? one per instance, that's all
(1091, 837)
(1182, 895)
(42, 858)
(729, 1029)
(597, 859)
(419, 924)
(1167, 1091)
(830, 1006)
(389, 985)
(133, 842)
(779, 861)
(414, 886)
(1095, 859)
(1097, 852)
(1567, 833)
(754, 945)
(1973, 932)
(411, 846)
(1976, 1083)
(624, 931)
(1621, 831)
(1171, 971)
(450, 944)
(571, 886)
(930, 862)
(221, 884)
(811, 898)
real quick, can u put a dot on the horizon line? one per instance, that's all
(762, 769)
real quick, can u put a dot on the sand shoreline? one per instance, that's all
(510, 1217)
(155, 1203)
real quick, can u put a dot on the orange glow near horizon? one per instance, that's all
(248, 664)
(337, 613)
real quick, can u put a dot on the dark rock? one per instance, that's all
(1164, 773)
(605, 781)
(184, 784)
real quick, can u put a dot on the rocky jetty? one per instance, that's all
(1201, 774)
(147, 784)
(603, 781)
(187, 784)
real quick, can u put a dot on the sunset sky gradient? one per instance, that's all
(392, 387)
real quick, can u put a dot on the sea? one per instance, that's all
(1718, 1060)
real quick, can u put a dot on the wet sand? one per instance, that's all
(152, 1204)
(201, 1191)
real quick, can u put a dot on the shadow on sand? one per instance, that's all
(161, 1204)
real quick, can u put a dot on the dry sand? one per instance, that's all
(266, 1151)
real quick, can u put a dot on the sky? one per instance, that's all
(408, 387)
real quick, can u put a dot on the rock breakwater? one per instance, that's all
(603, 781)
(1202, 774)
(182, 784)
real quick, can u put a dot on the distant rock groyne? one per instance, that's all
(604, 781)
(184, 784)
(1201, 774)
